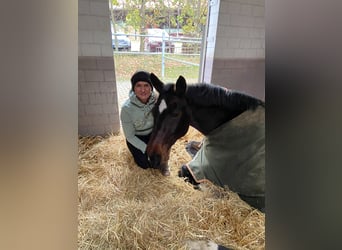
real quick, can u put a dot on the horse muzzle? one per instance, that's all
(156, 163)
(159, 154)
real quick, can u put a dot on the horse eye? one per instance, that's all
(176, 112)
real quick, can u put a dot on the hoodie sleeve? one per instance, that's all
(129, 131)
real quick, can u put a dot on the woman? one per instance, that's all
(136, 117)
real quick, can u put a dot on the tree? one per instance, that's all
(136, 18)
(189, 15)
(193, 16)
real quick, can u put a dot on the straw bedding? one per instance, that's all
(124, 207)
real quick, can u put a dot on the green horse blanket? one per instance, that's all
(233, 155)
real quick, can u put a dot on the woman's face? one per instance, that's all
(143, 91)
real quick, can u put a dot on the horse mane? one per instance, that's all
(208, 95)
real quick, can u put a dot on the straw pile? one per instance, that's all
(124, 207)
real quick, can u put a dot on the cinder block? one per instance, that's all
(85, 130)
(113, 118)
(260, 53)
(112, 98)
(107, 50)
(83, 22)
(107, 87)
(246, 10)
(81, 77)
(227, 53)
(81, 110)
(93, 109)
(257, 43)
(251, 53)
(85, 121)
(234, 64)
(245, 43)
(88, 49)
(94, 23)
(230, 7)
(94, 75)
(85, 63)
(219, 64)
(259, 22)
(97, 98)
(224, 19)
(232, 31)
(101, 37)
(220, 45)
(109, 75)
(114, 128)
(242, 32)
(100, 119)
(99, 8)
(83, 98)
(109, 108)
(103, 23)
(233, 43)
(239, 53)
(85, 36)
(97, 130)
(83, 7)
(105, 63)
(257, 33)
(88, 87)
(259, 11)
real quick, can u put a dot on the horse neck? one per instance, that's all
(204, 119)
(212, 106)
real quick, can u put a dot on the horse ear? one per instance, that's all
(180, 86)
(156, 83)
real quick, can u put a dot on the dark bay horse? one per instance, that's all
(202, 106)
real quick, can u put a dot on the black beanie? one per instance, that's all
(141, 76)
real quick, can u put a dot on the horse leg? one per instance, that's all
(165, 170)
(164, 166)
(185, 173)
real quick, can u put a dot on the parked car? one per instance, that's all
(123, 42)
(154, 40)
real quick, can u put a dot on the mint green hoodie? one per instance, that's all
(137, 119)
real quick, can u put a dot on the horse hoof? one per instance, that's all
(185, 173)
(165, 172)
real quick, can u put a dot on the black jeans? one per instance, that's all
(140, 158)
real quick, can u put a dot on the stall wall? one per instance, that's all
(235, 54)
(98, 112)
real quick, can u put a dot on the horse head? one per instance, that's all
(171, 121)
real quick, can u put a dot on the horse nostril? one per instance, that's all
(155, 160)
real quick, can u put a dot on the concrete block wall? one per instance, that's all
(235, 56)
(98, 112)
(212, 25)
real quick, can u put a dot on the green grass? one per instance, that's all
(127, 64)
